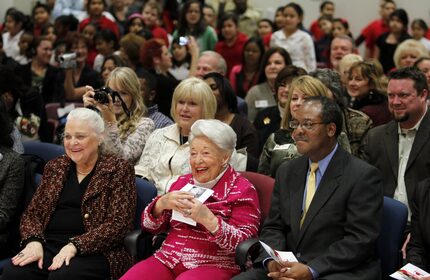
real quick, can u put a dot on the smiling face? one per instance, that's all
(80, 142)
(339, 48)
(41, 16)
(282, 93)
(424, 66)
(404, 102)
(358, 86)
(207, 160)
(297, 99)
(81, 50)
(44, 51)
(274, 65)
(339, 29)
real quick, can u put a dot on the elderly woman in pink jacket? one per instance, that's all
(228, 216)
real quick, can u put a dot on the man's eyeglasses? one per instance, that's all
(307, 125)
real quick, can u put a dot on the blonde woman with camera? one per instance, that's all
(121, 106)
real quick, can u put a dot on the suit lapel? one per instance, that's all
(326, 187)
(421, 138)
(391, 141)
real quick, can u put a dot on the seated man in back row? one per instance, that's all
(326, 205)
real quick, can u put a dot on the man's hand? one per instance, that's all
(289, 271)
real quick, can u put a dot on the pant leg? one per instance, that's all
(151, 268)
(206, 273)
(253, 274)
(30, 271)
(93, 267)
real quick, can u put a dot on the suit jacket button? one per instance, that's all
(86, 216)
(298, 255)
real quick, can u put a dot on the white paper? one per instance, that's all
(279, 256)
(64, 111)
(202, 194)
(408, 270)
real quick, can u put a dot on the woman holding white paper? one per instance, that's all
(230, 215)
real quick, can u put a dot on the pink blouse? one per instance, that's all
(234, 202)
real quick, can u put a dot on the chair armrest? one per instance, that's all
(250, 247)
(130, 243)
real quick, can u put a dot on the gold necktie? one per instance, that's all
(310, 191)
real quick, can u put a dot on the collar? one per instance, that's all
(211, 183)
(281, 110)
(323, 164)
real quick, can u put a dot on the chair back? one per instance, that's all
(46, 151)
(146, 191)
(264, 186)
(51, 109)
(391, 238)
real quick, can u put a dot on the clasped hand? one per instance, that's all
(33, 252)
(288, 271)
(188, 205)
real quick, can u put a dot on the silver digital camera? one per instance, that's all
(68, 60)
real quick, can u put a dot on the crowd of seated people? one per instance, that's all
(195, 92)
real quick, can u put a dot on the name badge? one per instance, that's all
(261, 104)
(282, 147)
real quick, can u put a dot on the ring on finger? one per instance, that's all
(20, 254)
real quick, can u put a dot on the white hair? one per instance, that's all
(91, 117)
(219, 133)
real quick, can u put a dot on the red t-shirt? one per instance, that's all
(428, 34)
(316, 31)
(102, 23)
(372, 32)
(232, 54)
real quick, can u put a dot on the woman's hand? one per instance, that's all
(172, 201)
(201, 214)
(32, 252)
(64, 256)
(106, 110)
(193, 47)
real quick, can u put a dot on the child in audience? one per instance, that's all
(231, 41)
(265, 27)
(95, 10)
(191, 22)
(181, 60)
(322, 46)
(24, 48)
(40, 14)
(298, 43)
(106, 44)
(48, 31)
(341, 28)
(16, 23)
(89, 32)
(387, 43)
(151, 17)
(419, 29)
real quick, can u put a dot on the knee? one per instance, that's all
(64, 273)
(12, 272)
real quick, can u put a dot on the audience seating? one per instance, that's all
(46, 151)
(51, 110)
(137, 242)
(389, 244)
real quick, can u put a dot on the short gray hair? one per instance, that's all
(91, 117)
(331, 79)
(221, 66)
(219, 133)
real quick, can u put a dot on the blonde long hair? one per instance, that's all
(126, 80)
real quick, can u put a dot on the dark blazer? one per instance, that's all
(11, 186)
(419, 245)
(108, 209)
(381, 149)
(338, 235)
(267, 122)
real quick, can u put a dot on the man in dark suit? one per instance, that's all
(399, 149)
(333, 236)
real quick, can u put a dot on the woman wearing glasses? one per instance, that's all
(127, 127)
(280, 145)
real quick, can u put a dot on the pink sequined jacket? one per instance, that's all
(234, 202)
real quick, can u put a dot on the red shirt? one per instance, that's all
(232, 54)
(102, 23)
(316, 31)
(372, 31)
(160, 33)
(428, 34)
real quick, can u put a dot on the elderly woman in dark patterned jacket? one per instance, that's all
(75, 224)
(202, 233)
(11, 180)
